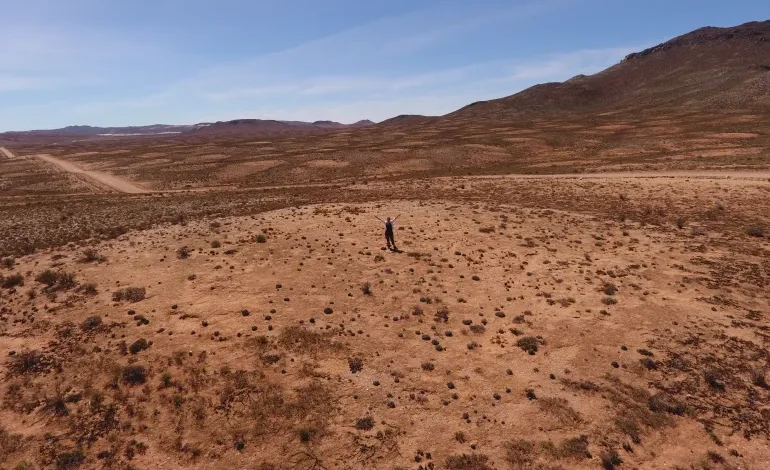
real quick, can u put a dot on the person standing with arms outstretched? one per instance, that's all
(389, 226)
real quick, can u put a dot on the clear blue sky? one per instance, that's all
(115, 62)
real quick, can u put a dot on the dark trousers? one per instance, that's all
(389, 238)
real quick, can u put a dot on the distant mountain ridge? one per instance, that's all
(709, 68)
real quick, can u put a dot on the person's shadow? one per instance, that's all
(395, 250)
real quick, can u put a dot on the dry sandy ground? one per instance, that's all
(500, 337)
(99, 177)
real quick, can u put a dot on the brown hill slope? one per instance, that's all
(710, 68)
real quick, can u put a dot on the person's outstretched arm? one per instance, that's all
(379, 219)
(396, 217)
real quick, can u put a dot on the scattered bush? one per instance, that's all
(261, 238)
(428, 366)
(759, 378)
(681, 222)
(610, 459)
(90, 255)
(356, 364)
(609, 301)
(47, 277)
(216, 244)
(756, 231)
(91, 323)
(8, 262)
(305, 434)
(609, 288)
(365, 424)
(183, 252)
(478, 329)
(663, 403)
(70, 460)
(130, 294)
(468, 462)
(714, 379)
(165, 380)
(442, 314)
(134, 375)
(90, 289)
(56, 279)
(138, 346)
(366, 288)
(26, 362)
(13, 280)
(528, 343)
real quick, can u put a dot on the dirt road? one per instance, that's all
(7, 153)
(99, 177)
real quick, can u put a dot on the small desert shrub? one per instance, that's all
(216, 244)
(356, 364)
(138, 346)
(478, 329)
(366, 288)
(428, 366)
(165, 380)
(305, 341)
(305, 434)
(90, 255)
(663, 403)
(560, 409)
(756, 231)
(13, 280)
(442, 315)
(528, 343)
(70, 460)
(8, 262)
(26, 362)
(56, 279)
(183, 252)
(261, 238)
(681, 222)
(130, 294)
(468, 462)
(134, 375)
(759, 378)
(487, 229)
(90, 289)
(609, 288)
(610, 459)
(91, 323)
(47, 277)
(365, 424)
(609, 301)
(714, 379)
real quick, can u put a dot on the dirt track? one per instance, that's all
(101, 178)
(7, 153)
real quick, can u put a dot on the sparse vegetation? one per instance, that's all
(55, 280)
(529, 344)
(90, 255)
(134, 374)
(9, 282)
(91, 323)
(756, 231)
(130, 294)
(468, 462)
(356, 364)
(365, 424)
